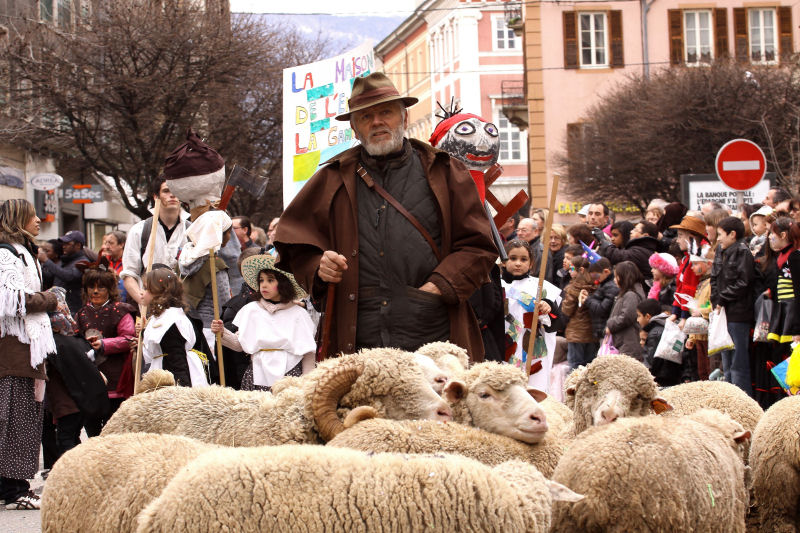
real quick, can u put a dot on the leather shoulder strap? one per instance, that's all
(362, 172)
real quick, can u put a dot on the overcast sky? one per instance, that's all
(368, 8)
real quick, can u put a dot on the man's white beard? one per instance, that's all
(385, 147)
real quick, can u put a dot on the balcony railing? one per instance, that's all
(513, 104)
(513, 16)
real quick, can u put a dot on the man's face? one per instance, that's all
(168, 200)
(769, 199)
(525, 230)
(272, 230)
(69, 247)
(240, 231)
(380, 128)
(596, 218)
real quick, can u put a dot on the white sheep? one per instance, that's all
(317, 489)
(608, 388)
(559, 416)
(775, 460)
(687, 398)
(495, 397)
(451, 358)
(101, 485)
(656, 473)
(366, 433)
(389, 380)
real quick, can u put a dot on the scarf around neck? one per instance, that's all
(20, 276)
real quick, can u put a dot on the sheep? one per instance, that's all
(388, 379)
(610, 387)
(451, 358)
(559, 416)
(775, 460)
(687, 398)
(656, 473)
(366, 433)
(155, 379)
(495, 397)
(435, 375)
(101, 485)
(308, 488)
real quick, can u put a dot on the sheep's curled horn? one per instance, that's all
(331, 387)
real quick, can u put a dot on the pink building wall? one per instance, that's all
(568, 93)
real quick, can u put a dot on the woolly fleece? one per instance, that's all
(316, 489)
(687, 398)
(430, 436)
(450, 357)
(654, 473)
(392, 382)
(775, 460)
(102, 484)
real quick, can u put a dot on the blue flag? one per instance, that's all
(590, 254)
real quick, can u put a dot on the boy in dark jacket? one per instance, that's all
(600, 302)
(732, 276)
(651, 319)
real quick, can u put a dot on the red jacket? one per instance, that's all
(685, 283)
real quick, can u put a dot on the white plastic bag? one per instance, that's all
(671, 344)
(719, 339)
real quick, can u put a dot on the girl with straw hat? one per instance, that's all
(274, 329)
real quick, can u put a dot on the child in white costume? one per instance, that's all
(520, 292)
(169, 338)
(274, 330)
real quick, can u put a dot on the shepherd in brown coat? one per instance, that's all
(396, 286)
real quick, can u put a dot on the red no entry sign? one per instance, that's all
(740, 164)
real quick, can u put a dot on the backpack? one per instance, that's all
(145, 237)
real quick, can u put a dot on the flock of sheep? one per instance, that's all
(386, 440)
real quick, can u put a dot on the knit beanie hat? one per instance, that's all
(664, 262)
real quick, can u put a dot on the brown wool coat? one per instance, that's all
(324, 216)
(15, 356)
(579, 327)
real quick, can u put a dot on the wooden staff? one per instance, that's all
(212, 264)
(326, 325)
(143, 308)
(545, 240)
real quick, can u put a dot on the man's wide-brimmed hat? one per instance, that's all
(693, 224)
(256, 263)
(372, 90)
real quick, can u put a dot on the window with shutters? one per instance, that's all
(503, 36)
(593, 40)
(510, 139)
(763, 35)
(698, 36)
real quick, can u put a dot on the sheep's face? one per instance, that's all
(511, 411)
(611, 388)
(394, 383)
(435, 375)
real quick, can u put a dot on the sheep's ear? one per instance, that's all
(660, 405)
(537, 395)
(454, 391)
(560, 493)
(570, 391)
(741, 436)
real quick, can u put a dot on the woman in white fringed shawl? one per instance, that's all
(25, 341)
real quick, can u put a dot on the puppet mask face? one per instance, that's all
(473, 142)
